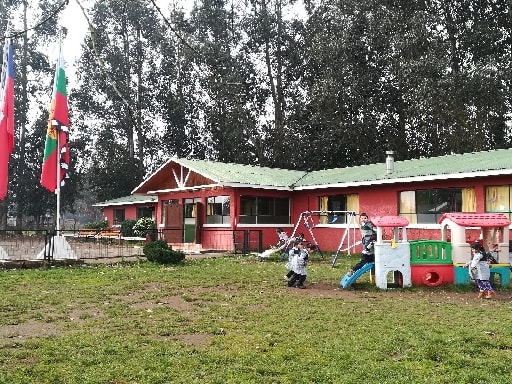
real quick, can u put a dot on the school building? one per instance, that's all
(206, 205)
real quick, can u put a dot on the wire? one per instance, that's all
(181, 38)
(51, 15)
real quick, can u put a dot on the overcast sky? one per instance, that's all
(73, 19)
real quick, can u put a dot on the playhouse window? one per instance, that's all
(264, 210)
(497, 199)
(426, 206)
(217, 210)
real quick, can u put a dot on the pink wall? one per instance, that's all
(377, 200)
(130, 212)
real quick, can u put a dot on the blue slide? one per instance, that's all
(347, 280)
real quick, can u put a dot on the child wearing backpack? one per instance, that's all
(480, 271)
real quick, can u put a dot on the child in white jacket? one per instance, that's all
(298, 265)
(480, 271)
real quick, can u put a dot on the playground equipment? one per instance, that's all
(351, 224)
(310, 219)
(431, 263)
(306, 218)
(493, 230)
(391, 256)
(348, 279)
(436, 262)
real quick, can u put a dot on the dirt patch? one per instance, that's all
(323, 290)
(194, 340)
(15, 333)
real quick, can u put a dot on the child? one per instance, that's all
(280, 246)
(299, 267)
(295, 240)
(300, 237)
(368, 229)
(367, 256)
(479, 271)
(296, 249)
(283, 238)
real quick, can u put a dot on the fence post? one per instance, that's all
(48, 256)
(245, 247)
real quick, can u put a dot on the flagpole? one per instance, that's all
(57, 189)
(57, 173)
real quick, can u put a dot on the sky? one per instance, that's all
(73, 19)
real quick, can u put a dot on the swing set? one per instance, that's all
(311, 219)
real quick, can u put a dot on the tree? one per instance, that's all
(116, 98)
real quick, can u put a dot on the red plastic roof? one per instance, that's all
(477, 219)
(390, 221)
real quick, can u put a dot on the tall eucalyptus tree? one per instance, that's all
(117, 93)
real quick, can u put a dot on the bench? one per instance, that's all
(87, 233)
(109, 233)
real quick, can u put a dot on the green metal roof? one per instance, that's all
(239, 174)
(442, 167)
(127, 200)
(486, 163)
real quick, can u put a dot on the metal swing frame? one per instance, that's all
(306, 218)
(346, 235)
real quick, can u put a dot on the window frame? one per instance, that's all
(262, 210)
(419, 206)
(214, 216)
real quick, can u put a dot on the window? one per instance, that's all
(426, 206)
(217, 210)
(497, 199)
(118, 216)
(189, 208)
(348, 203)
(264, 210)
(145, 212)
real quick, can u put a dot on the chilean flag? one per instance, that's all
(6, 116)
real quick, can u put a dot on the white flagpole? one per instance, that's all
(57, 189)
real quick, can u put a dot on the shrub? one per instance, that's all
(159, 252)
(144, 226)
(99, 225)
(127, 228)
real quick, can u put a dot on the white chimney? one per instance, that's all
(390, 166)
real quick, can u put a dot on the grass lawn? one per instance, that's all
(233, 320)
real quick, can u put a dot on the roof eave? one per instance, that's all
(407, 179)
(223, 185)
(123, 203)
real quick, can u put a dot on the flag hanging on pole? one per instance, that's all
(6, 115)
(58, 123)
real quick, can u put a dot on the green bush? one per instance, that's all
(159, 252)
(99, 225)
(145, 226)
(127, 228)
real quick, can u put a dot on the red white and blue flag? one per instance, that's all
(6, 116)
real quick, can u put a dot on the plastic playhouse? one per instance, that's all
(493, 232)
(436, 262)
(493, 228)
(392, 257)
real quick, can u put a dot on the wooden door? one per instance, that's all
(173, 231)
